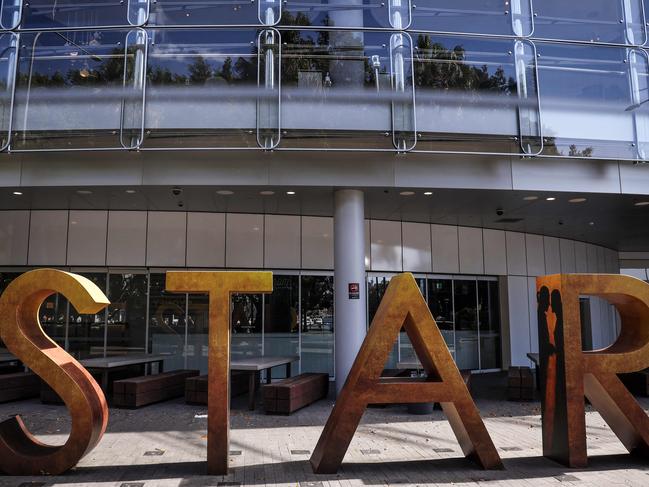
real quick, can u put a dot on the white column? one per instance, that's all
(349, 266)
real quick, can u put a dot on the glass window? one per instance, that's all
(345, 89)
(126, 325)
(215, 12)
(86, 332)
(349, 13)
(281, 328)
(612, 21)
(198, 327)
(246, 326)
(476, 95)
(489, 317)
(440, 303)
(503, 17)
(594, 100)
(166, 322)
(317, 324)
(466, 324)
(203, 89)
(79, 90)
(10, 13)
(61, 14)
(406, 351)
(53, 314)
(376, 287)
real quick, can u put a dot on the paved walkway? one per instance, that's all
(165, 445)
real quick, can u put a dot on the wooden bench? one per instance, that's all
(520, 384)
(289, 395)
(19, 385)
(148, 389)
(196, 387)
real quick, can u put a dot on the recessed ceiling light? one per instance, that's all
(17, 193)
(531, 198)
(551, 198)
(225, 192)
(577, 200)
(639, 203)
(290, 193)
(267, 193)
(428, 193)
(84, 191)
(130, 191)
(407, 193)
(592, 224)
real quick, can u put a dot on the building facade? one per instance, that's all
(475, 143)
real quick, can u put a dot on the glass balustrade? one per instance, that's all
(593, 101)
(347, 90)
(476, 95)
(607, 21)
(494, 17)
(210, 13)
(70, 14)
(212, 88)
(79, 90)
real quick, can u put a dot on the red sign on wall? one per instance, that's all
(354, 290)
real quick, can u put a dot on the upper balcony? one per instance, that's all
(494, 77)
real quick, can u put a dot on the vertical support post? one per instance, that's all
(349, 266)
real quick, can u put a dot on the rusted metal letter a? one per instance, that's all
(403, 306)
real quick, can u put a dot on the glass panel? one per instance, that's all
(268, 98)
(166, 322)
(70, 90)
(61, 14)
(613, 21)
(10, 13)
(8, 49)
(281, 333)
(639, 76)
(376, 287)
(202, 88)
(215, 12)
(132, 126)
(475, 95)
(246, 326)
(406, 351)
(489, 315)
(317, 324)
(466, 324)
(440, 302)
(587, 106)
(126, 314)
(86, 332)
(474, 16)
(339, 90)
(348, 13)
(198, 327)
(53, 315)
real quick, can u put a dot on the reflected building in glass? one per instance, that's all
(475, 143)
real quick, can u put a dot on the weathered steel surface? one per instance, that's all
(20, 329)
(568, 374)
(403, 305)
(220, 286)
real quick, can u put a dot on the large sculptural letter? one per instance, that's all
(567, 373)
(403, 305)
(220, 286)
(20, 452)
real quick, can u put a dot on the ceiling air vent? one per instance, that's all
(509, 220)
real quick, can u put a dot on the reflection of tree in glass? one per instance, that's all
(442, 68)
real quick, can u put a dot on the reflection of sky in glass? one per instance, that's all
(53, 14)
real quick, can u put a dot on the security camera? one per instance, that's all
(500, 212)
(177, 191)
(180, 204)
